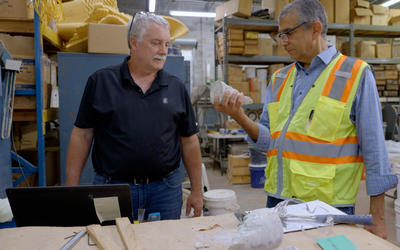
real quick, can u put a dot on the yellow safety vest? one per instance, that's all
(314, 153)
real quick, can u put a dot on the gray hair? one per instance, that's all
(140, 22)
(308, 11)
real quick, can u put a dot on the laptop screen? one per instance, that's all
(67, 205)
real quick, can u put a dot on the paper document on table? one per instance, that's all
(107, 208)
(310, 208)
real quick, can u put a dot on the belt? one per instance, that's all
(137, 180)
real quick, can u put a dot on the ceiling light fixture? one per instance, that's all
(152, 5)
(192, 13)
(390, 3)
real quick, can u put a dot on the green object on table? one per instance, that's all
(337, 242)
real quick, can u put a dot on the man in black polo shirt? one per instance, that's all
(141, 123)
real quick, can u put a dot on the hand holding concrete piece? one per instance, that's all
(218, 88)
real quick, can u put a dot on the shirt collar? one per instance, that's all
(126, 75)
(325, 57)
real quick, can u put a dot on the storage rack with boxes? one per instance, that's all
(20, 32)
(356, 20)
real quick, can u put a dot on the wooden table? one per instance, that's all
(182, 234)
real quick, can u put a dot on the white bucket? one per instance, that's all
(397, 211)
(220, 201)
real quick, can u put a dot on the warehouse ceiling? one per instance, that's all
(163, 6)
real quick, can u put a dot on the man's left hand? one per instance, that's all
(378, 228)
(377, 209)
(195, 201)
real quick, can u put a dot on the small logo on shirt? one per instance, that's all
(165, 100)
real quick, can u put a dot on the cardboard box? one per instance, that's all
(383, 50)
(393, 13)
(365, 49)
(359, 3)
(235, 161)
(390, 93)
(380, 83)
(236, 172)
(391, 74)
(240, 8)
(280, 51)
(108, 39)
(19, 9)
(242, 86)
(251, 42)
(28, 102)
(251, 50)
(236, 43)
(239, 179)
(379, 19)
(379, 9)
(279, 5)
(342, 11)
(364, 20)
(395, 50)
(251, 35)
(362, 12)
(329, 6)
(235, 70)
(256, 96)
(28, 136)
(236, 50)
(380, 75)
(392, 87)
(235, 37)
(391, 66)
(265, 46)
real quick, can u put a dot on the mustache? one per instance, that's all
(160, 57)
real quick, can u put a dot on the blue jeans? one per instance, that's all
(272, 202)
(163, 196)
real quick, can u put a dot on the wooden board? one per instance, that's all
(128, 235)
(103, 240)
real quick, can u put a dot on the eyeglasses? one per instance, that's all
(284, 36)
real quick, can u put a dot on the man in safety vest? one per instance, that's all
(321, 121)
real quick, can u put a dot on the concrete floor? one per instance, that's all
(251, 198)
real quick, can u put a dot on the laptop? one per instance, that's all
(66, 205)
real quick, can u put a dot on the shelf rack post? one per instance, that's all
(39, 101)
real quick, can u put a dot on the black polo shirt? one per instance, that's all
(135, 134)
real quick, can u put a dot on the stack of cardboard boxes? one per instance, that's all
(387, 81)
(235, 41)
(362, 12)
(251, 43)
(238, 169)
(247, 81)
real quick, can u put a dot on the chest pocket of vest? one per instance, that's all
(326, 118)
(312, 181)
(273, 109)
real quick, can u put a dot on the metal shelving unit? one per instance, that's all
(42, 115)
(350, 30)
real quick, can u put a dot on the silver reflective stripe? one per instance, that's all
(279, 79)
(319, 149)
(342, 75)
(281, 75)
(273, 143)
